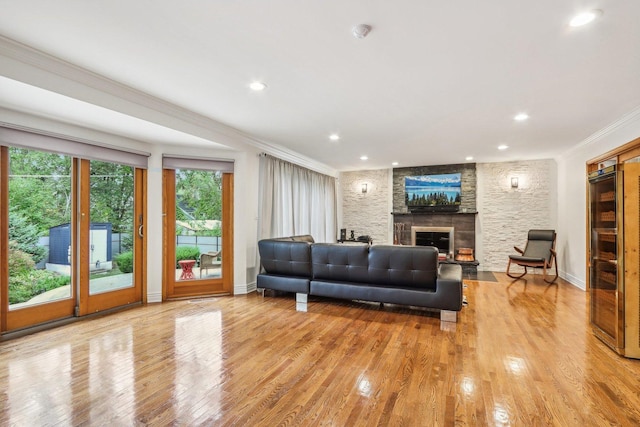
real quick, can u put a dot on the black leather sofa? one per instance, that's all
(407, 275)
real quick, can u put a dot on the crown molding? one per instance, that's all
(34, 67)
(294, 157)
(623, 121)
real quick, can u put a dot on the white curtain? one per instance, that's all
(294, 200)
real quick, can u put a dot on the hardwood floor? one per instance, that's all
(521, 353)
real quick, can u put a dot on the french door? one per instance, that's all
(71, 239)
(111, 220)
(198, 232)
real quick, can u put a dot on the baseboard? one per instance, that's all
(242, 289)
(153, 297)
(578, 283)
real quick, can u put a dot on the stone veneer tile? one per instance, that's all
(507, 214)
(504, 214)
(366, 213)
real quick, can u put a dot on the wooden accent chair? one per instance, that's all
(540, 251)
(209, 260)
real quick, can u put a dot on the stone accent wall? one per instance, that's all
(366, 213)
(507, 214)
(463, 221)
(467, 193)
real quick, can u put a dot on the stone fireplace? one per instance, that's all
(439, 237)
(460, 225)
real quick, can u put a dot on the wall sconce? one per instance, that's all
(514, 182)
(364, 188)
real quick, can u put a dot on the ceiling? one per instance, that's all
(433, 83)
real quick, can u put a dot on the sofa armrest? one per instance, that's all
(449, 285)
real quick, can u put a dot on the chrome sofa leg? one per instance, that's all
(448, 316)
(301, 302)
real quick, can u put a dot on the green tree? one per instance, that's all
(40, 188)
(40, 191)
(23, 236)
(112, 195)
(199, 194)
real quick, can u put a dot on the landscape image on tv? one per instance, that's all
(432, 190)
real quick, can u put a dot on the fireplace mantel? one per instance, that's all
(434, 213)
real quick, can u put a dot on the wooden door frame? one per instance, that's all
(202, 287)
(87, 303)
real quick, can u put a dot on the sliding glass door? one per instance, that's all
(37, 206)
(71, 236)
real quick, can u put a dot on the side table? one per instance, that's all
(187, 269)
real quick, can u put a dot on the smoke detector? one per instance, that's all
(361, 31)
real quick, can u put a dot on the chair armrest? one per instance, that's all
(520, 251)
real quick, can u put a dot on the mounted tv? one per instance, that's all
(433, 193)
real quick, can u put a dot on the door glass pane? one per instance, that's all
(111, 229)
(604, 257)
(39, 227)
(198, 225)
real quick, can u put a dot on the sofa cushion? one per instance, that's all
(404, 266)
(340, 262)
(285, 257)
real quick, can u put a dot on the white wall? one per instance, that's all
(244, 217)
(506, 214)
(572, 194)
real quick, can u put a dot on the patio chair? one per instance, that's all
(209, 260)
(540, 252)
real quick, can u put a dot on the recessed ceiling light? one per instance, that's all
(502, 147)
(334, 137)
(585, 17)
(394, 164)
(361, 31)
(468, 158)
(364, 158)
(257, 86)
(520, 117)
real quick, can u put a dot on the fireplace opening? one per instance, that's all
(439, 237)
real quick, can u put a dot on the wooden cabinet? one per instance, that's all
(613, 238)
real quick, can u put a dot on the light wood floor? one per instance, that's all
(520, 354)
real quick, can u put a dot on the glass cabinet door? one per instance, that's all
(604, 256)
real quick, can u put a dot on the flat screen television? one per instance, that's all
(433, 192)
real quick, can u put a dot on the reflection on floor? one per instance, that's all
(521, 353)
(482, 276)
